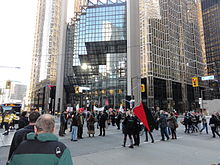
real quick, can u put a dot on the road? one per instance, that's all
(193, 149)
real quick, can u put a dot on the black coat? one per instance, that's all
(128, 125)
(19, 136)
(102, 120)
(213, 120)
(22, 122)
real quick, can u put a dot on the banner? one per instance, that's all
(98, 109)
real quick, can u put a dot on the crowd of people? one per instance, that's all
(78, 118)
(8, 120)
(131, 125)
(198, 122)
(34, 130)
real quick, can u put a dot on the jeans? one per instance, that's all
(205, 126)
(163, 131)
(74, 132)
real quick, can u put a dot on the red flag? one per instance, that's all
(140, 113)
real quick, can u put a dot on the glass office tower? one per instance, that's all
(211, 22)
(171, 53)
(96, 46)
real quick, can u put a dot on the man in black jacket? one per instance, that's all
(20, 135)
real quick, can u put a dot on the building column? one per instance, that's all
(169, 92)
(133, 51)
(60, 61)
(150, 91)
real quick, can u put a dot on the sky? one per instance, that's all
(16, 38)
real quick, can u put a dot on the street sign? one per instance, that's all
(208, 78)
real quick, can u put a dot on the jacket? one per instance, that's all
(42, 149)
(128, 125)
(163, 121)
(19, 136)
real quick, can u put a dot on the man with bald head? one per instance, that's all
(42, 147)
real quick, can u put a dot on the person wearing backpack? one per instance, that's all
(128, 129)
(42, 147)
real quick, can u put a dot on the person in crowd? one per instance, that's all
(152, 125)
(118, 118)
(146, 135)
(62, 124)
(20, 134)
(74, 127)
(218, 121)
(172, 123)
(91, 125)
(23, 121)
(67, 116)
(102, 123)
(194, 123)
(163, 126)
(80, 123)
(185, 122)
(204, 124)
(112, 116)
(6, 122)
(136, 130)
(98, 118)
(128, 129)
(42, 147)
(213, 122)
(14, 118)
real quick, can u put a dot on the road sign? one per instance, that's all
(212, 77)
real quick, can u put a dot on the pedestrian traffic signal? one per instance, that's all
(195, 82)
(76, 89)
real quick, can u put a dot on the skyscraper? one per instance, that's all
(171, 52)
(47, 52)
(211, 22)
(125, 44)
(96, 54)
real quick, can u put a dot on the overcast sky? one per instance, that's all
(16, 38)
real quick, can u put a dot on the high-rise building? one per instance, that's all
(115, 46)
(96, 54)
(211, 23)
(47, 53)
(171, 52)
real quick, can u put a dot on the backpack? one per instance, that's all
(130, 124)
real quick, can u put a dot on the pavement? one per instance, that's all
(188, 149)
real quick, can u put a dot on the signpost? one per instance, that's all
(212, 77)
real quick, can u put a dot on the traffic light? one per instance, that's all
(8, 84)
(195, 82)
(76, 89)
(142, 88)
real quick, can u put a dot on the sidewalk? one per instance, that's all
(5, 140)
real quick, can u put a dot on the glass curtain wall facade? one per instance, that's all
(171, 52)
(211, 22)
(97, 71)
(46, 50)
